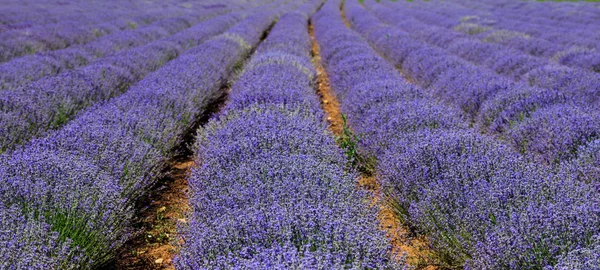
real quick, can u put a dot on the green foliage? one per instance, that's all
(349, 142)
(132, 25)
(61, 117)
(73, 226)
(29, 49)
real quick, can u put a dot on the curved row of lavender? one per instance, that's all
(17, 43)
(271, 189)
(521, 19)
(539, 122)
(67, 199)
(19, 71)
(49, 103)
(481, 205)
(563, 46)
(513, 63)
(24, 14)
(515, 113)
(511, 111)
(575, 50)
(20, 42)
(579, 18)
(506, 62)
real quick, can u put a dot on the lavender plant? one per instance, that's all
(274, 174)
(481, 204)
(51, 102)
(77, 185)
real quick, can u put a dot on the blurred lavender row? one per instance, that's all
(510, 62)
(25, 14)
(50, 102)
(479, 203)
(18, 72)
(563, 46)
(67, 198)
(577, 17)
(511, 111)
(271, 189)
(40, 38)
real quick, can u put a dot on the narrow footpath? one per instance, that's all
(403, 241)
(166, 206)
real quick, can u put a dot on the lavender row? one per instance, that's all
(539, 122)
(479, 203)
(549, 39)
(583, 54)
(580, 52)
(17, 43)
(464, 15)
(20, 71)
(18, 15)
(536, 72)
(71, 193)
(51, 102)
(21, 15)
(511, 17)
(565, 15)
(272, 190)
(512, 111)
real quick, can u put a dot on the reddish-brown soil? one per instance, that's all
(168, 203)
(328, 100)
(415, 248)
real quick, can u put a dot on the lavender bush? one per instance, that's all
(81, 181)
(274, 174)
(51, 102)
(481, 204)
(101, 20)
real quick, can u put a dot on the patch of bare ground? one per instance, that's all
(329, 101)
(418, 253)
(166, 205)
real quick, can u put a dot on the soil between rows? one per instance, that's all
(166, 205)
(418, 253)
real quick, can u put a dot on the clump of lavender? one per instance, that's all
(74, 189)
(272, 189)
(481, 204)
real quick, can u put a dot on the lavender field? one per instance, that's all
(299, 134)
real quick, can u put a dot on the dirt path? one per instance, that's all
(166, 206)
(403, 242)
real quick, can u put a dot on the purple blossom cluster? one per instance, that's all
(584, 258)
(46, 104)
(481, 205)
(272, 189)
(67, 198)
